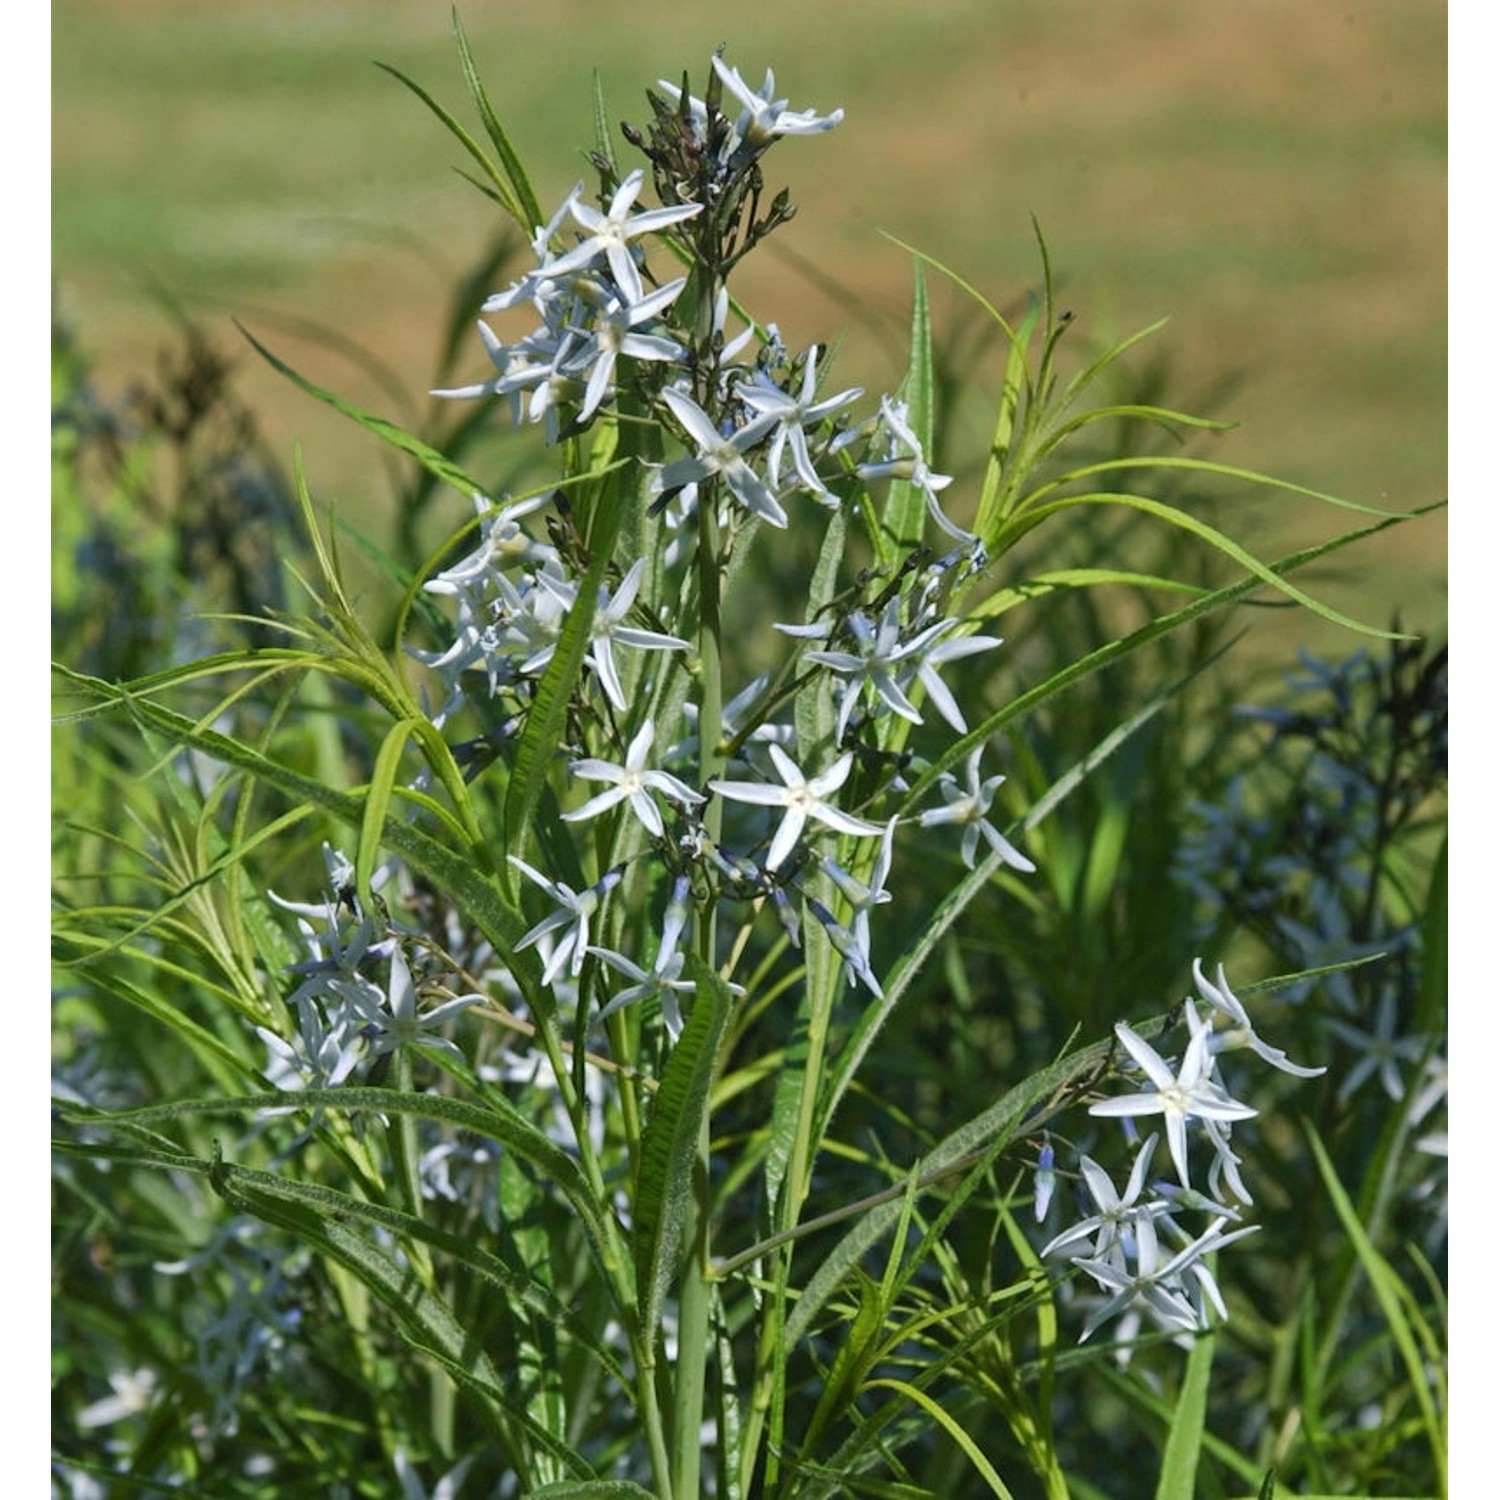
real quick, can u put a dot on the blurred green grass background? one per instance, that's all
(1271, 174)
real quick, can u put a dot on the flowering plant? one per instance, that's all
(601, 956)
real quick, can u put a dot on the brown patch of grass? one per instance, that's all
(1270, 173)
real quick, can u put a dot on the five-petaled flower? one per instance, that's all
(1188, 1094)
(967, 807)
(721, 455)
(803, 798)
(571, 920)
(610, 234)
(631, 782)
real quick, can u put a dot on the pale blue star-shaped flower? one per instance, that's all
(1156, 1286)
(501, 542)
(911, 466)
(794, 415)
(871, 666)
(1113, 1222)
(570, 921)
(1240, 1033)
(1188, 1094)
(717, 454)
(862, 898)
(615, 333)
(765, 117)
(802, 799)
(395, 1020)
(608, 628)
(610, 234)
(631, 782)
(1384, 1049)
(663, 983)
(967, 807)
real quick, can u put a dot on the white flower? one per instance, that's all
(501, 541)
(879, 650)
(631, 782)
(664, 983)
(1157, 1287)
(967, 807)
(607, 628)
(764, 117)
(794, 415)
(615, 334)
(856, 956)
(928, 654)
(397, 1023)
(133, 1393)
(610, 234)
(1189, 1094)
(1114, 1224)
(1384, 1050)
(911, 467)
(571, 920)
(1240, 1033)
(721, 455)
(802, 799)
(861, 897)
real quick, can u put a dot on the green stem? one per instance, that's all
(406, 1153)
(693, 1308)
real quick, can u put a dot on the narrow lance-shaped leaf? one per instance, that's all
(377, 807)
(515, 174)
(1102, 656)
(1182, 519)
(499, 190)
(537, 746)
(1015, 389)
(666, 1184)
(426, 1319)
(905, 517)
(435, 463)
(1179, 1461)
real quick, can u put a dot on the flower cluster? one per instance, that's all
(790, 792)
(1118, 1242)
(345, 1017)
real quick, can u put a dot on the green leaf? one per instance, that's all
(1085, 666)
(519, 184)
(1179, 1464)
(591, 1489)
(424, 1317)
(1015, 388)
(666, 1185)
(458, 873)
(1042, 584)
(1220, 471)
(997, 1124)
(602, 143)
(1388, 1289)
(499, 190)
(1173, 515)
(954, 1429)
(1432, 1002)
(219, 1058)
(904, 519)
(377, 807)
(547, 715)
(436, 464)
